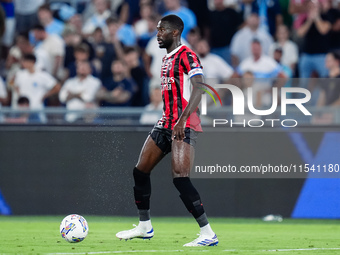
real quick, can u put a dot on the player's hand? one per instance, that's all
(178, 131)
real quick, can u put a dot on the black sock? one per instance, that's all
(142, 193)
(144, 215)
(191, 199)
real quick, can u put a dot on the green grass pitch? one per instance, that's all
(40, 235)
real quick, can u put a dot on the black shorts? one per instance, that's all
(162, 138)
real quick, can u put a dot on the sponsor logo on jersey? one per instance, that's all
(167, 82)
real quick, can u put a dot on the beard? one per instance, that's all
(82, 75)
(203, 55)
(164, 44)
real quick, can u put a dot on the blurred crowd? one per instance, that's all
(84, 54)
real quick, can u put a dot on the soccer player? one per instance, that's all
(176, 131)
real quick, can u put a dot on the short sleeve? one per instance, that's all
(191, 64)
(48, 80)
(57, 47)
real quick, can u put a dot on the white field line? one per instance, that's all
(196, 251)
(122, 252)
(305, 249)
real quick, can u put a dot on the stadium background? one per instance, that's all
(87, 170)
(46, 166)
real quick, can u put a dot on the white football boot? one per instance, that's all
(203, 240)
(143, 231)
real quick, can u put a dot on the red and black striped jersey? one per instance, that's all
(178, 67)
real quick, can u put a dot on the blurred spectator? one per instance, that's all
(334, 17)
(97, 42)
(115, 5)
(2, 21)
(141, 26)
(15, 56)
(118, 90)
(64, 12)
(97, 37)
(26, 14)
(224, 22)
(72, 39)
(194, 36)
(188, 17)
(245, 8)
(76, 22)
(106, 52)
(52, 25)
(299, 9)
(119, 35)
(130, 11)
(22, 47)
(265, 70)
(216, 70)
(315, 32)
(8, 36)
(286, 70)
(287, 17)
(153, 111)
(241, 42)
(25, 116)
(121, 31)
(200, 9)
(34, 84)
(262, 66)
(3, 93)
(278, 56)
(98, 19)
(54, 46)
(79, 93)
(336, 3)
(290, 52)
(269, 12)
(81, 54)
(330, 93)
(151, 31)
(138, 74)
(90, 9)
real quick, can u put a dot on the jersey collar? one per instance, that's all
(174, 51)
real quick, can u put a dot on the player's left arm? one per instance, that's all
(195, 98)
